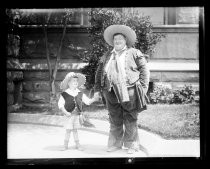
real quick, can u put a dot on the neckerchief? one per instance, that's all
(117, 77)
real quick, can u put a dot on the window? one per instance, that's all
(156, 13)
(35, 16)
(181, 15)
(81, 17)
(169, 15)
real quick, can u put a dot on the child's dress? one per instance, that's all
(73, 104)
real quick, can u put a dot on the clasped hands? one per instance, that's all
(96, 96)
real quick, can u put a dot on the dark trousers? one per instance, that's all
(123, 119)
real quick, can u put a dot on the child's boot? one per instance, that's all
(66, 140)
(65, 147)
(78, 146)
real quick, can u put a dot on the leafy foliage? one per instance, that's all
(185, 95)
(100, 19)
(163, 94)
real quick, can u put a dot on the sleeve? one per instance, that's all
(86, 100)
(143, 68)
(97, 85)
(61, 102)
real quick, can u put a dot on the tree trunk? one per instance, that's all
(47, 53)
(53, 72)
(58, 59)
(53, 94)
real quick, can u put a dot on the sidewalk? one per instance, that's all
(45, 140)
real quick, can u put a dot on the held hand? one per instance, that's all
(96, 96)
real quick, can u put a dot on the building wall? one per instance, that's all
(179, 49)
(179, 46)
(180, 43)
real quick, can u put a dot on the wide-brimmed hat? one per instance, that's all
(81, 80)
(123, 29)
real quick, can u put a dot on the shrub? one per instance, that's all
(185, 95)
(163, 94)
(100, 19)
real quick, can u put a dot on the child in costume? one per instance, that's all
(70, 103)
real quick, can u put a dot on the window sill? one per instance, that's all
(174, 67)
(187, 28)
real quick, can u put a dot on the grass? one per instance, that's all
(171, 121)
(168, 121)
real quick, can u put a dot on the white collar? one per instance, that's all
(73, 93)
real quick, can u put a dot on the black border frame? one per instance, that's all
(162, 161)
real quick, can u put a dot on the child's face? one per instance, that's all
(73, 83)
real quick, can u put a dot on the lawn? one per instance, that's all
(168, 121)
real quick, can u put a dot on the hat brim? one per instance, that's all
(69, 76)
(123, 29)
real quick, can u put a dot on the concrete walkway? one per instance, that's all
(41, 136)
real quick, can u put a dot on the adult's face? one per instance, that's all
(119, 42)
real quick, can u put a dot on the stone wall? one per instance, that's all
(14, 73)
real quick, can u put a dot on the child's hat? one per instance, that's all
(81, 80)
